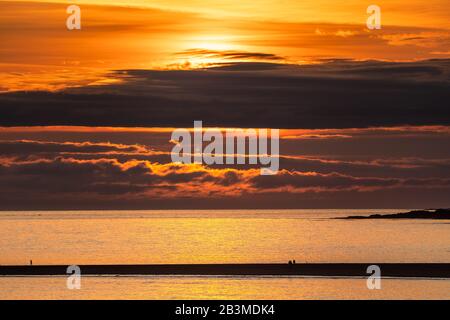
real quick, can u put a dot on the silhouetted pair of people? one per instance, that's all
(291, 262)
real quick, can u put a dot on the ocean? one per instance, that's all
(218, 236)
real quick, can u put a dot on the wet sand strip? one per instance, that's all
(420, 270)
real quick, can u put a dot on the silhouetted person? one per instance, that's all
(31, 262)
(293, 262)
(290, 262)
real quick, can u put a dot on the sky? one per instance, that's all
(40, 53)
(87, 114)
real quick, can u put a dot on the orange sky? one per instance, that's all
(38, 52)
(415, 13)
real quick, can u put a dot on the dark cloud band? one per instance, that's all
(337, 94)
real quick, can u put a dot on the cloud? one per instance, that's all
(82, 167)
(423, 39)
(21, 147)
(338, 94)
(313, 181)
(385, 152)
(399, 167)
(63, 182)
(228, 55)
(47, 177)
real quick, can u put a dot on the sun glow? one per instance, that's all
(215, 42)
(201, 51)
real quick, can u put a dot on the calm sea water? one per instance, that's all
(218, 236)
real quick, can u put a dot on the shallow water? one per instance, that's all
(253, 236)
(228, 288)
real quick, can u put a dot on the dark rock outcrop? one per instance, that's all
(439, 214)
